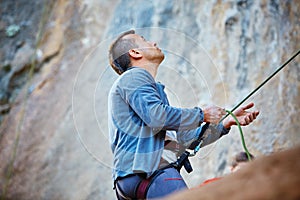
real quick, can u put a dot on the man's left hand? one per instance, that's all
(244, 117)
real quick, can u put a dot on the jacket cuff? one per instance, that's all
(201, 113)
(224, 131)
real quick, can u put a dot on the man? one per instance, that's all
(139, 116)
(239, 161)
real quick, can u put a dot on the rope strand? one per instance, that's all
(241, 133)
(263, 83)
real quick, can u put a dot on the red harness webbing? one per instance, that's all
(143, 188)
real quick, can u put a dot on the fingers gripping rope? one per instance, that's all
(241, 133)
(197, 148)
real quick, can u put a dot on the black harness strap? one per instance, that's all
(183, 160)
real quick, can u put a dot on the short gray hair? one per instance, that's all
(118, 53)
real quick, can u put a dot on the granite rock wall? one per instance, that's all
(216, 53)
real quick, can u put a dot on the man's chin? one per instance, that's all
(162, 57)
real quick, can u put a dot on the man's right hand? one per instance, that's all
(213, 114)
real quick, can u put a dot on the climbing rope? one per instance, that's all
(250, 94)
(197, 148)
(263, 83)
(241, 133)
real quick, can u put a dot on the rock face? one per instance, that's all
(275, 177)
(18, 28)
(54, 142)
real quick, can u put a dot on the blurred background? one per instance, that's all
(55, 78)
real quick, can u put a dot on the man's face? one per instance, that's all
(148, 49)
(238, 166)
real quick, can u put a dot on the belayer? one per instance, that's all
(140, 119)
(240, 160)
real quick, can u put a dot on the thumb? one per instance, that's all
(250, 105)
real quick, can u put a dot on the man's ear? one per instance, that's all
(135, 53)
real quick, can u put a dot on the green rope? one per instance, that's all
(241, 133)
(249, 95)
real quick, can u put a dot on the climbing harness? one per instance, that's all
(183, 159)
(138, 185)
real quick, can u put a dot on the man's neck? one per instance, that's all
(152, 70)
(150, 67)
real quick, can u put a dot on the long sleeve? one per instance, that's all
(212, 134)
(138, 117)
(142, 94)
